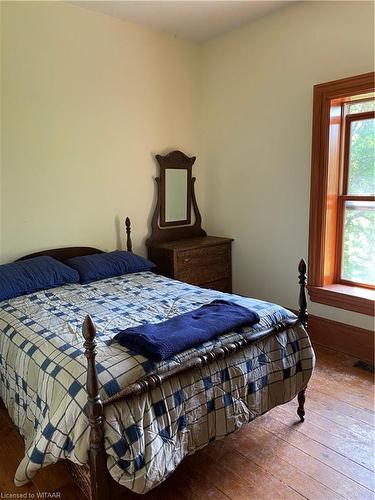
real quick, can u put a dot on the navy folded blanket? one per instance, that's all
(158, 341)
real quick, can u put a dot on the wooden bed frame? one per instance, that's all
(103, 486)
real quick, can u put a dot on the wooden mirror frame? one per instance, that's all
(174, 231)
(175, 161)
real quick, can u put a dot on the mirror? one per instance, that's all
(176, 201)
(175, 188)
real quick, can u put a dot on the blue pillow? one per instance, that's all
(106, 265)
(31, 275)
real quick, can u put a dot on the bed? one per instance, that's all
(124, 422)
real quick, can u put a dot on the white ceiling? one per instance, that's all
(195, 20)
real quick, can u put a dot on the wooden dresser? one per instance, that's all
(204, 261)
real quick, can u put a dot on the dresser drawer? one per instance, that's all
(198, 275)
(223, 285)
(214, 255)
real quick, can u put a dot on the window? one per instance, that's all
(356, 205)
(342, 206)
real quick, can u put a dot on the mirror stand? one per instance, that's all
(164, 229)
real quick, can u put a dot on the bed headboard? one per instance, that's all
(62, 254)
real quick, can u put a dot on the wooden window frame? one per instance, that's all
(323, 284)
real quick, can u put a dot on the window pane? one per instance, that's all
(359, 107)
(361, 157)
(358, 262)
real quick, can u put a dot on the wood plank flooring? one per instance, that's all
(329, 456)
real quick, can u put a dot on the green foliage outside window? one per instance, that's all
(359, 243)
(361, 163)
(360, 107)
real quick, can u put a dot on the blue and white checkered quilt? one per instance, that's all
(43, 376)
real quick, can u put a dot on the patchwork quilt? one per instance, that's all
(43, 376)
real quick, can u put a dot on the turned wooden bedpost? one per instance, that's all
(303, 317)
(94, 412)
(302, 302)
(129, 245)
(301, 404)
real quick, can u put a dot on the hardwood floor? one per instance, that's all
(329, 456)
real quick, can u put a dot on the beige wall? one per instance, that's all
(257, 106)
(87, 100)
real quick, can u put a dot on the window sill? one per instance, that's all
(352, 298)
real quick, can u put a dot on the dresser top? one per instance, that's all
(198, 242)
